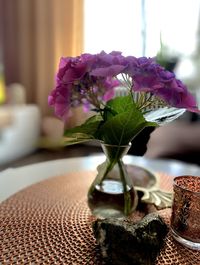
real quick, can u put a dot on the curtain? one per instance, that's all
(34, 35)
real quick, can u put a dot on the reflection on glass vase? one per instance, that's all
(112, 193)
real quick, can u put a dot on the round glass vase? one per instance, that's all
(112, 193)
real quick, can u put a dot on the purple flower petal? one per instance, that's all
(176, 94)
(112, 70)
(60, 99)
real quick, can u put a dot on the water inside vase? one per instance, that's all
(107, 199)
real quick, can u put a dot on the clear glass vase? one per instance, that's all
(112, 193)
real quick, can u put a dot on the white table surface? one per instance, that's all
(13, 180)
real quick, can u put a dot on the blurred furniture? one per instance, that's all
(19, 131)
(178, 140)
(5, 118)
(16, 94)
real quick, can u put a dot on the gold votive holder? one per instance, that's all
(185, 219)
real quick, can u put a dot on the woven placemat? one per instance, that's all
(50, 223)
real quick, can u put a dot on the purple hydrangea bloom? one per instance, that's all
(109, 84)
(176, 94)
(144, 73)
(89, 80)
(148, 76)
(109, 65)
(73, 69)
(60, 99)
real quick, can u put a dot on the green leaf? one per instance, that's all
(85, 132)
(93, 119)
(164, 115)
(76, 138)
(122, 128)
(122, 122)
(122, 104)
(119, 105)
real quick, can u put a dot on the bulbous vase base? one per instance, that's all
(108, 199)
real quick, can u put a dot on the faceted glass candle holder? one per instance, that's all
(185, 219)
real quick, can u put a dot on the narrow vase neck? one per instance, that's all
(115, 152)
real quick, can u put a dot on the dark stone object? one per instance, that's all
(123, 242)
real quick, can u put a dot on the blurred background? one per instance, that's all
(34, 34)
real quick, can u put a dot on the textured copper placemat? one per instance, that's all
(50, 223)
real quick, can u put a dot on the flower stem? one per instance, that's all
(127, 198)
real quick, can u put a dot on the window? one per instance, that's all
(135, 26)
